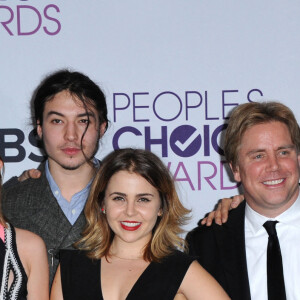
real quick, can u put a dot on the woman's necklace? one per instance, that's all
(124, 258)
(129, 263)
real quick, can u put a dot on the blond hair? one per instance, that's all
(248, 115)
(97, 236)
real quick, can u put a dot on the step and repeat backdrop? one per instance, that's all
(171, 70)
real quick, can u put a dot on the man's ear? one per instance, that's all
(236, 172)
(1, 164)
(102, 129)
(39, 130)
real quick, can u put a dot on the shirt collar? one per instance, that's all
(53, 184)
(289, 217)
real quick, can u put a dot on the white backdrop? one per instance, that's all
(171, 71)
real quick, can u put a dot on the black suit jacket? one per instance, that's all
(221, 251)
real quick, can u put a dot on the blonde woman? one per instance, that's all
(128, 249)
(23, 263)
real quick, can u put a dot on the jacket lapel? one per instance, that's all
(231, 240)
(74, 233)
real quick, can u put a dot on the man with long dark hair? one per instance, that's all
(70, 115)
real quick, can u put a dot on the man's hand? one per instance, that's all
(31, 173)
(220, 215)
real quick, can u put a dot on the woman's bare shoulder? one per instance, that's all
(28, 240)
(30, 248)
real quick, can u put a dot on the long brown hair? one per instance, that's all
(98, 236)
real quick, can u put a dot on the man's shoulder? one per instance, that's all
(26, 200)
(28, 184)
(25, 192)
(201, 232)
(235, 218)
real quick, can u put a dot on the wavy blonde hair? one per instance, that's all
(98, 236)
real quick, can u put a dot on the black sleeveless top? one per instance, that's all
(10, 262)
(80, 277)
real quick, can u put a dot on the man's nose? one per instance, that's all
(71, 132)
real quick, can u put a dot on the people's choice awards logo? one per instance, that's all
(186, 129)
(185, 141)
(174, 132)
(27, 20)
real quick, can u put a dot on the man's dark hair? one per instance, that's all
(78, 84)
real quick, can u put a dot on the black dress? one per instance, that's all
(80, 277)
(11, 262)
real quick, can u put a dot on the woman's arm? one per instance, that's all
(180, 297)
(56, 290)
(198, 284)
(32, 252)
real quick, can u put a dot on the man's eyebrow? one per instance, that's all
(255, 151)
(289, 146)
(53, 112)
(89, 113)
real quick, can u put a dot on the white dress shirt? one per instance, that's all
(256, 237)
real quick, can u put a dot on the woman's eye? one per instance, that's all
(144, 200)
(118, 198)
(85, 121)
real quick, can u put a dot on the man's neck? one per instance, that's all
(272, 211)
(71, 181)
